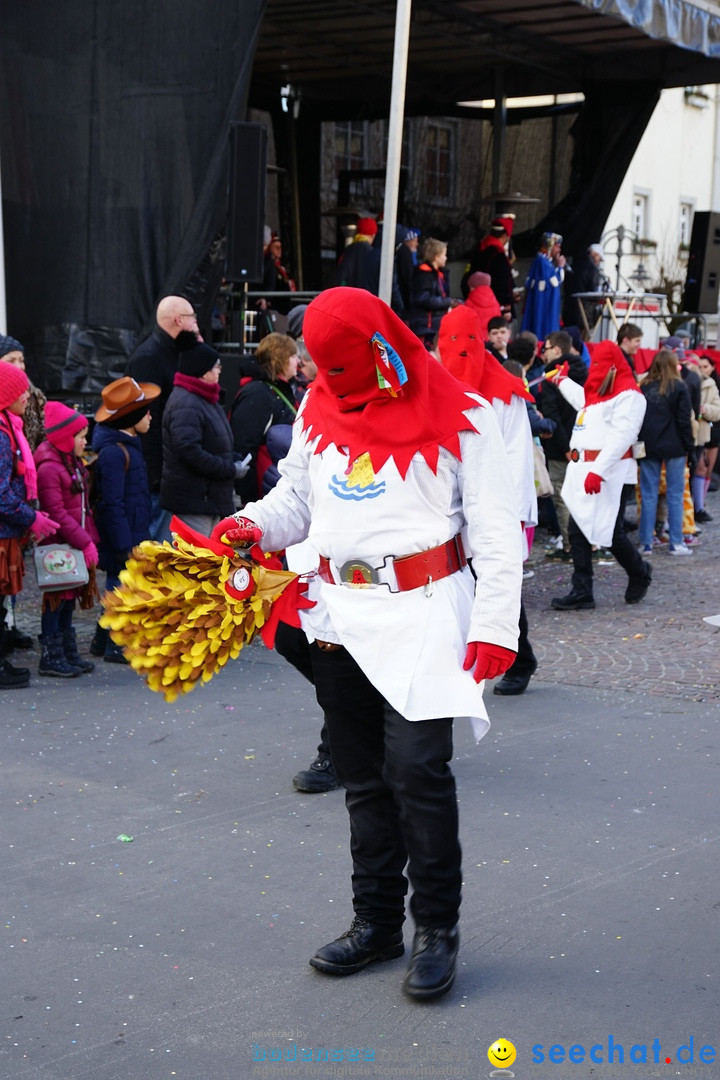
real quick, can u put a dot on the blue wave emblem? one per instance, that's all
(339, 486)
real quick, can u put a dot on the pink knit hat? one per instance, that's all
(62, 425)
(13, 383)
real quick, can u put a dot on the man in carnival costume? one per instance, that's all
(397, 474)
(463, 354)
(611, 410)
(543, 287)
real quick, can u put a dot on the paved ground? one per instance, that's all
(589, 818)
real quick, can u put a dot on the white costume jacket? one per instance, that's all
(610, 426)
(411, 645)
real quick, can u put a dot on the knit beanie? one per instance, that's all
(9, 344)
(62, 425)
(197, 360)
(477, 279)
(13, 383)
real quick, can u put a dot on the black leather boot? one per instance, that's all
(637, 587)
(574, 601)
(359, 946)
(431, 971)
(12, 678)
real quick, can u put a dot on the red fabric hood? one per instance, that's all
(605, 357)
(463, 354)
(423, 414)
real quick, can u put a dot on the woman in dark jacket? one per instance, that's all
(667, 434)
(199, 470)
(429, 295)
(265, 398)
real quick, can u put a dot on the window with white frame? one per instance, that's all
(640, 215)
(685, 220)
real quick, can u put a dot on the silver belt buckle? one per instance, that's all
(358, 574)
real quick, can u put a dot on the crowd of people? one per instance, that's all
(402, 459)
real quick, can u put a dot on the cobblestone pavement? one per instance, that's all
(660, 646)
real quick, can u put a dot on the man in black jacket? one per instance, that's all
(155, 360)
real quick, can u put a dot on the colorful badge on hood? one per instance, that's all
(391, 373)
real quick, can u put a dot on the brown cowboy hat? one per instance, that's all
(125, 396)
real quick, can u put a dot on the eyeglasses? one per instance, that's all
(187, 315)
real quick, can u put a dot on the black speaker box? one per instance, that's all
(246, 202)
(702, 280)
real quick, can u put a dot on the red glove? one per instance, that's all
(91, 554)
(488, 660)
(42, 526)
(593, 483)
(237, 532)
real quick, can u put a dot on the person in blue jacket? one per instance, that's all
(121, 495)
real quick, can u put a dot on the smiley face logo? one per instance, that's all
(502, 1053)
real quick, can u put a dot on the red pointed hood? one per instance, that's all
(463, 354)
(377, 391)
(609, 374)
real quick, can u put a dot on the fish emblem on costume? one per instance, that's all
(358, 482)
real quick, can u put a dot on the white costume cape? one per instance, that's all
(610, 426)
(412, 644)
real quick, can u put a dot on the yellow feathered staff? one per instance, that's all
(183, 610)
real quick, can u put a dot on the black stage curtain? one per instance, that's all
(606, 135)
(113, 144)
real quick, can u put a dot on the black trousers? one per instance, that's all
(400, 795)
(293, 646)
(622, 548)
(525, 662)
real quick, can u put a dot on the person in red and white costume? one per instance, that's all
(397, 473)
(610, 412)
(463, 353)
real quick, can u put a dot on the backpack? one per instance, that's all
(89, 460)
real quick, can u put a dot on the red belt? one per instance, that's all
(411, 571)
(591, 455)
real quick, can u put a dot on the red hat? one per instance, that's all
(505, 222)
(463, 353)
(352, 336)
(62, 425)
(367, 226)
(13, 384)
(609, 374)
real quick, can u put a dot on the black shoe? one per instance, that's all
(114, 654)
(359, 946)
(574, 601)
(99, 642)
(431, 971)
(12, 678)
(514, 682)
(702, 515)
(320, 776)
(637, 587)
(14, 639)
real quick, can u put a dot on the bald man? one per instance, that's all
(155, 361)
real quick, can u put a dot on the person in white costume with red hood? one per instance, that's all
(610, 412)
(397, 474)
(461, 347)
